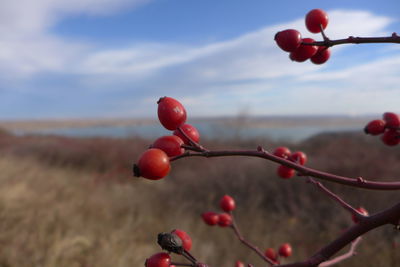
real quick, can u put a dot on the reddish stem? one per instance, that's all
(247, 243)
(304, 171)
(191, 141)
(338, 199)
(345, 256)
(388, 216)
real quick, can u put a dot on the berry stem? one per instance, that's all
(326, 39)
(191, 141)
(304, 171)
(394, 38)
(247, 243)
(335, 197)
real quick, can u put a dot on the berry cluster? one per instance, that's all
(297, 157)
(285, 250)
(154, 163)
(224, 219)
(301, 49)
(388, 126)
(227, 204)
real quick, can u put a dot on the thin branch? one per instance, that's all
(345, 256)
(388, 216)
(247, 243)
(338, 199)
(394, 38)
(304, 171)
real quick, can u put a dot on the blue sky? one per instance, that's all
(115, 58)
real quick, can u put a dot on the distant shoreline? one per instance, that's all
(238, 121)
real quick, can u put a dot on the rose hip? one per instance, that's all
(171, 113)
(227, 203)
(170, 144)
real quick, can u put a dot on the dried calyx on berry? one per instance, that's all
(170, 242)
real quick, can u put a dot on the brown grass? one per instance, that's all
(73, 202)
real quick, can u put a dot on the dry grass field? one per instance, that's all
(73, 202)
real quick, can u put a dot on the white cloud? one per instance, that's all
(249, 70)
(27, 47)
(250, 56)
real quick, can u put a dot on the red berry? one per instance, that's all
(171, 113)
(285, 250)
(322, 55)
(190, 131)
(239, 264)
(224, 219)
(227, 203)
(391, 137)
(315, 18)
(186, 239)
(299, 157)
(170, 144)
(210, 218)
(288, 40)
(375, 127)
(153, 164)
(271, 254)
(360, 210)
(285, 172)
(392, 119)
(159, 260)
(304, 52)
(282, 152)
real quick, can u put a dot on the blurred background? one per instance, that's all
(79, 82)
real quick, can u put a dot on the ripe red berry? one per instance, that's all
(153, 164)
(298, 157)
(315, 18)
(227, 203)
(288, 40)
(392, 119)
(322, 55)
(271, 254)
(375, 127)
(159, 260)
(304, 52)
(285, 172)
(186, 239)
(285, 250)
(170, 144)
(360, 210)
(224, 219)
(239, 264)
(282, 152)
(171, 113)
(210, 218)
(391, 137)
(190, 131)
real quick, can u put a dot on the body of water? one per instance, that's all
(207, 130)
